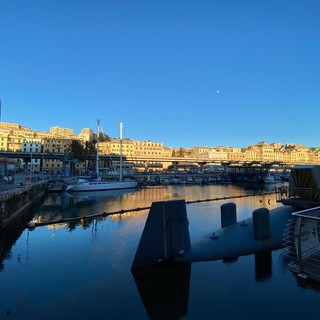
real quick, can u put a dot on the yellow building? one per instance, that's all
(147, 148)
(236, 154)
(62, 132)
(3, 141)
(314, 156)
(250, 153)
(302, 154)
(55, 147)
(86, 134)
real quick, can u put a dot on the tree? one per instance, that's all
(173, 154)
(102, 137)
(181, 153)
(89, 150)
(75, 151)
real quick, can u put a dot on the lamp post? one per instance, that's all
(31, 167)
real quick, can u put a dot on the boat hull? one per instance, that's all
(101, 186)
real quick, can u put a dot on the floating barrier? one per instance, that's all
(33, 224)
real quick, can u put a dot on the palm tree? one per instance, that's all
(89, 150)
(75, 150)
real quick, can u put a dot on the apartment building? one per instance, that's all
(52, 146)
(34, 147)
(85, 134)
(314, 156)
(62, 132)
(148, 148)
(236, 154)
(3, 141)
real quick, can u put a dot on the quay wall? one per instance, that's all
(14, 203)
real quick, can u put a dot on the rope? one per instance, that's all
(122, 211)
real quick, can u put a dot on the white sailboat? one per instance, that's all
(98, 184)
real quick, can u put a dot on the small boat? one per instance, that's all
(205, 181)
(269, 178)
(165, 181)
(223, 180)
(97, 184)
(190, 180)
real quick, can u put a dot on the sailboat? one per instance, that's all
(98, 184)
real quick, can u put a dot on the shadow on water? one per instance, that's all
(263, 265)
(164, 290)
(9, 237)
(308, 284)
(7, 241)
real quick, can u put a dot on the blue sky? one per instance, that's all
(186, 73)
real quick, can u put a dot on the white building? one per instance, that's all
(33, 147)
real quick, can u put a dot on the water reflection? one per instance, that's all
(164, 290)
(308, 284)
(7, 241)
(90, 267)
(263, 265)
(79, 204)
(10, 236)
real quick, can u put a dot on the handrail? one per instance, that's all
(302, 239)
(302, 215)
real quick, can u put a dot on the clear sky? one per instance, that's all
(183, 72)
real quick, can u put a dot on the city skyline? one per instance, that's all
(54, 131)
(209, 73)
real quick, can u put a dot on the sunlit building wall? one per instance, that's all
(33, 147)
(85, 134)
(3, 141)
(63, 132)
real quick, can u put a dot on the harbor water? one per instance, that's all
(82, 269)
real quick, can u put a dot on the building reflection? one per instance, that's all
(7, 241)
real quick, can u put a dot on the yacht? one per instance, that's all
(97, 184)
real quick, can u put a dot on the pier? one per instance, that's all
(17, 201)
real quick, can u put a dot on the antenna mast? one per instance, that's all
(97, 154)
(120, 176)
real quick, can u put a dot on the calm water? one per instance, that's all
(82, 270)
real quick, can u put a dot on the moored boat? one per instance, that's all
(98, 184)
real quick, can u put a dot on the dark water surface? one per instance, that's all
(81, 270)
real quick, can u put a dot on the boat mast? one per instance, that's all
(97, 151)
(120, 177)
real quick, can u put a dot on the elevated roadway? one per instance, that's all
(27, 156)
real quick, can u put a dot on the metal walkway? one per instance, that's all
(302, 239)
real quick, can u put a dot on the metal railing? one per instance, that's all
(302, 239)
(285, 193)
